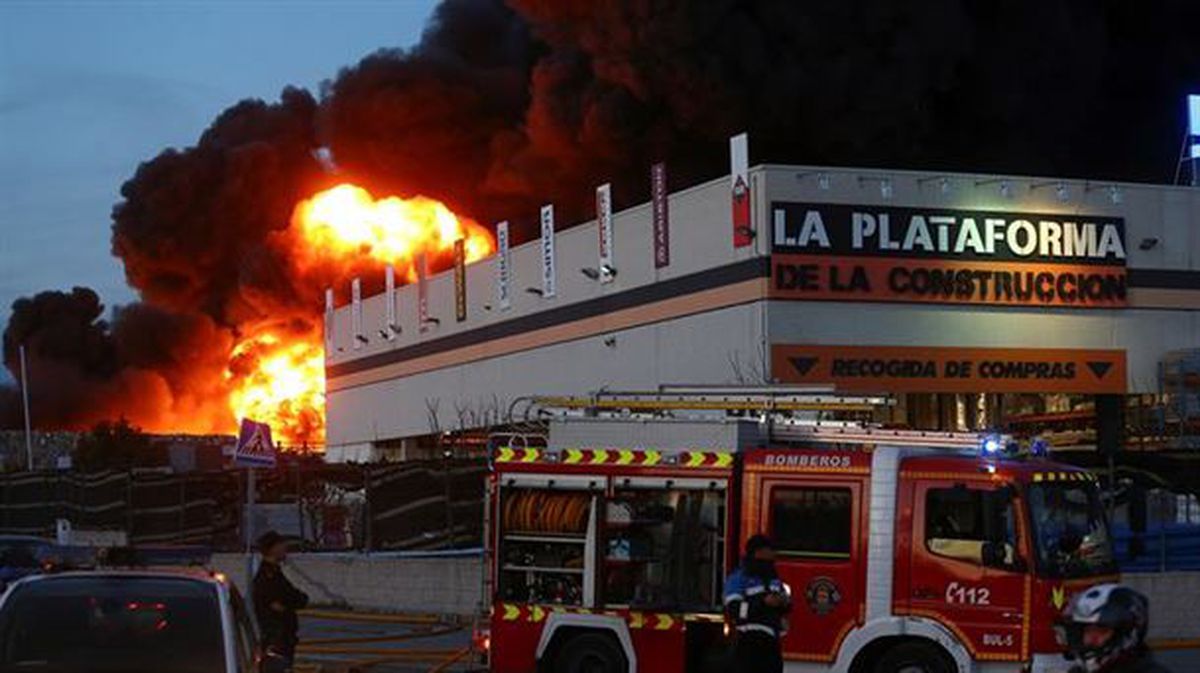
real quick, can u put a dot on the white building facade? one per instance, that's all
(882, 281)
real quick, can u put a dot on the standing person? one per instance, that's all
(757, 603)
(1103, 629)
(276, 600)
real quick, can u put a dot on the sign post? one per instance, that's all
(254, 449)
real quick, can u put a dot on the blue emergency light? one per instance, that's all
(992, 445)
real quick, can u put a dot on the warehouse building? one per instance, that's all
(977, 300)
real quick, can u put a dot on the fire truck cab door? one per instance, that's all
(815, 523)
(966, 569)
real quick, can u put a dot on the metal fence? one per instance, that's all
(434, 504)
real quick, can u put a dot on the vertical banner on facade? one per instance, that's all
(423, 291)
(329, 320)
(604, 226)
(356, 312)
(503, 268)
(548, 271)
(460, 280)
(1194, 136)
(739, 176)
(662, 233)
(390, 298)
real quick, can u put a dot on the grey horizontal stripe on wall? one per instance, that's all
(1174, 279)
(758, 267)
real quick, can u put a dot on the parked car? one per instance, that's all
(21, 555)
(169, 620)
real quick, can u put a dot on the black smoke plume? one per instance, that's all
(502, 107)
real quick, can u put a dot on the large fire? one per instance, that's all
(346, 221)
(278, 377)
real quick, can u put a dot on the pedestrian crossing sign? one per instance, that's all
(254, 447)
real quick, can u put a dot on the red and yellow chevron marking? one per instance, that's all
(523, 455)
(721, 460)
(1063, 476)
(650, 621)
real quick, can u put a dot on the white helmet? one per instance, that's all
(1114, 606)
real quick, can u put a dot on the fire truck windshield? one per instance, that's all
(1069, 530)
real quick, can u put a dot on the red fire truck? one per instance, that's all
(609, 539)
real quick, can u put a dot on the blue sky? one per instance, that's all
(90, 89)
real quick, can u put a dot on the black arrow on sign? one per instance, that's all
(802, 365)
(1099, 368)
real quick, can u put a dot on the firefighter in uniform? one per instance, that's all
(1103, 630)
(276, 601)
(756, 604)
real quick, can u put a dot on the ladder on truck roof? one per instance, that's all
(775, 408)
(865, 433)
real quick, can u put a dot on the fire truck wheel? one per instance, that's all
(914, 657)
(590, 653)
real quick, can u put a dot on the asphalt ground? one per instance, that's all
(334, 642)
(341, 642)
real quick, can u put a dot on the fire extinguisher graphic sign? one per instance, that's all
(743, 228)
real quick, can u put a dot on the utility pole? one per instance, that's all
(25, 404)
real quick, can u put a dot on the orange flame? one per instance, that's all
(346, 221)
(282, 384)
(279, 378)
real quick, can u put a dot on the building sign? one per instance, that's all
(548, 272)
(460, 280)
(503, 268)
(422, 292)
(897, 369)
(661, 216)
(739, 182)
(1193, 103)
(869, 253)
(604, 226)
(329, 318)
(356, 315)
(390, 298)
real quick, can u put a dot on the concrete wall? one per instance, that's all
(453, 586)
(1174, 603)
(444, 585)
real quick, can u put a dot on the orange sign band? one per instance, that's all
(951, 369)
(946, 281)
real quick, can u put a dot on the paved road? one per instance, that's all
(338, 645)
(383, 647)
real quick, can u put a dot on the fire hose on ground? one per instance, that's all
(366, 646)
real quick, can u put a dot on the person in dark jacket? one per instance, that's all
(1103, 630)
(276, 600)
(757, 603)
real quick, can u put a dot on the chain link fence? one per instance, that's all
(415, 505)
